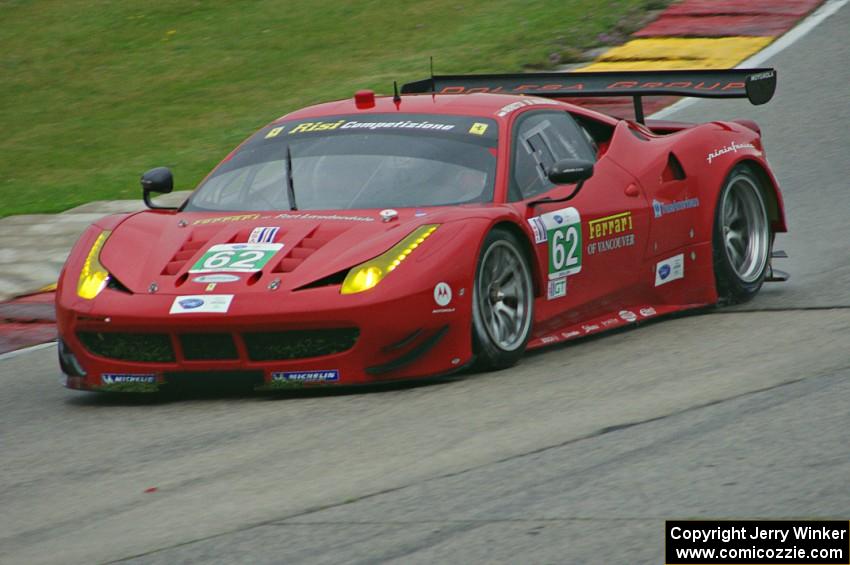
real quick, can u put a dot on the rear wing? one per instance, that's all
(757, 85)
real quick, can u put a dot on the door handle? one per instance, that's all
(632, 191)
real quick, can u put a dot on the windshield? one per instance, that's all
(340, 163)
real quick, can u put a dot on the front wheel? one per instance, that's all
(502, 302)
(741, 237)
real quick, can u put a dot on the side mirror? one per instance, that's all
(158, 180)
(569, 171)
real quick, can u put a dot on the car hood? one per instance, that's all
(164, 249)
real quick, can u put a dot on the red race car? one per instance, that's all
(457, 224)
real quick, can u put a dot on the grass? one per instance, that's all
(97, 91)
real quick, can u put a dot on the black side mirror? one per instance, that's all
(569, 171)
(159, 180)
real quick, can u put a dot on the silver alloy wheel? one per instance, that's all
(503, 293)
(746, 234)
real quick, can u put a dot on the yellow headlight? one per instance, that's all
(368, 274)
(93, 277)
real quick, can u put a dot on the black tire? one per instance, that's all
(502, 285)
(742, 238)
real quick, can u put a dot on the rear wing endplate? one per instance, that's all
(757, 85)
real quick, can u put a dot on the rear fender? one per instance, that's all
(718, 160)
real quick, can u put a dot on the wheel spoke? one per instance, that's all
(507, 276)
(500, 329)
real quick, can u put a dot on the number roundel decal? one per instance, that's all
(563, 232)
(236, 257)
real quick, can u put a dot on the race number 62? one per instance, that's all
(564, 250)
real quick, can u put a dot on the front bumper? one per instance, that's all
(317, 337)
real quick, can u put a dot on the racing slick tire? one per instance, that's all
(742, 238)
(502, 302)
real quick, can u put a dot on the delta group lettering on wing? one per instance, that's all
(554, 87)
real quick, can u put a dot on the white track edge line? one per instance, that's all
(25, 350)
(799, 31)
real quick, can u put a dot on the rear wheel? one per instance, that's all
(741, 237)
(502, 302)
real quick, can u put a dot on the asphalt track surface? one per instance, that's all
(575, 456)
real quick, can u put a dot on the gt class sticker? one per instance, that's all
(209, 303)
(670, 269)
(236, 257)
(557, 288)
(563, 232)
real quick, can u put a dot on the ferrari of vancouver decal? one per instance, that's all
(732, 148)
(610, 233)
(236, 257)
(327, 376)
(203, 303)
(661, 208)
(670, 269)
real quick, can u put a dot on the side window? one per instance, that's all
(540, 139)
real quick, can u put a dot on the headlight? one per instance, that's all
(368, 274)
(93, 277)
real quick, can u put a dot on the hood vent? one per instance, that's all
(315, 240)
(186, 252)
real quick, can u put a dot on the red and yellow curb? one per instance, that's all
(699, 34)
